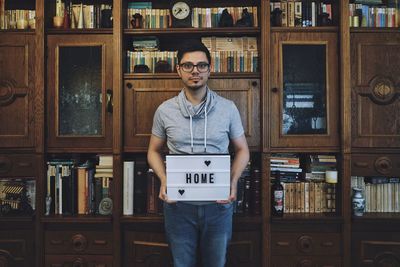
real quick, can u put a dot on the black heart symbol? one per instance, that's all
(181, 191)
(207, 162)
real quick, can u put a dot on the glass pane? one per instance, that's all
(304, 89)
(80, 104)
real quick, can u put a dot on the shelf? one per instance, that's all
(16, 219)
(28, 31)
(308, 217)
(237, 219)
(375, 30)
(80, 31)
(305, 29)
(232, 75)
(392, 217)
(76, 219)
(203, 31)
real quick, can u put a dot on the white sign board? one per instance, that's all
(198, 177)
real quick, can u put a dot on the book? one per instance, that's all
(128, 187)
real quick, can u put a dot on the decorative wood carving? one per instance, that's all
(383, 165)
(382, 90)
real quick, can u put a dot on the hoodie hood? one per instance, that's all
(200, 112)
(186, 107)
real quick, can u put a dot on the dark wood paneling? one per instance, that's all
(17, 91)
(18, 165)
(102, 141)
(78, 242)
(142, 97)
(78, 261)
(376, 249)
(305, 261)
(305, 243)
(375, 165)
(316, 141)
(375, 90)
(16, 248)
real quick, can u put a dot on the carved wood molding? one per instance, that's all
(381, 90)
(9, 91)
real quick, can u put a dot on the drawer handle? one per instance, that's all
(56, 242)
(24, 164)
(327, 244)
(361, 164)
(100, 242)
(79, 242)
(78, 263)
(283, 244)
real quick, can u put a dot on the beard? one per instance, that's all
(196, 83)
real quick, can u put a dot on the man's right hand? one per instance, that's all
(163, 194)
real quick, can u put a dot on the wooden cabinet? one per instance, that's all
(151, 249)
(17, 90)
(79, 72)
(16, 246)
(143, 96)
(375, 85)
(78, 261)
(304, 90)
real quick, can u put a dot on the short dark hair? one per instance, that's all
(192, 46)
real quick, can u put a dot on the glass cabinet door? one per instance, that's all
(80, 95)
(304, 90)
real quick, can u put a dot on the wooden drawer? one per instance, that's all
(305, 243)
(306, 261)
(17, 165)
(16, 247)
(78, 242)
(78, 261)
(375, 249)
(375, 165)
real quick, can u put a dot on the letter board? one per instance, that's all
(198, 177)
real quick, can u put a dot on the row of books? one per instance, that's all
(150, 59)
(141, 189)
(302, 13)
(78, 189)
(309, 197)
(372, 16)
(382, 194)
(201, 17)
(82, 16)
(9, 18)
(210, 17)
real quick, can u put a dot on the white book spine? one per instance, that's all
(128, 187)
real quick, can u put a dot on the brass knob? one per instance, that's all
(79, 242)
(304, 244)
(78, 263)
(129, 85)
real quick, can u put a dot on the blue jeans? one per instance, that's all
(208, 225)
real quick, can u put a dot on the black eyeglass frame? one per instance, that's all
(194, 65)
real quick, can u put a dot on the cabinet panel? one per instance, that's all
(16, 248)
(375, 165)
(80, 92)
(305, 243)
(376, 249)
(375, 90)
(151, 249)
(142, 97)
(305, 261)
(14, 165)
(17, 91)
(304, 90)
(78, 261)
(78, 242)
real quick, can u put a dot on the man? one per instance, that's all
(197, 121)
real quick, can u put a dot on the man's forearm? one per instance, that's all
(239, 164)
(156, 162)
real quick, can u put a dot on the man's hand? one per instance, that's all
(232, 195)
(163, 194)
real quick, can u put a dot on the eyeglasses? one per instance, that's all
(201, 67)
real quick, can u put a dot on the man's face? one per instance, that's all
(197, 77)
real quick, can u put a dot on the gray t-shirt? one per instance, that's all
(222, 123)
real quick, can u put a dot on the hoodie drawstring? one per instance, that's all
(205, 130)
